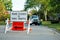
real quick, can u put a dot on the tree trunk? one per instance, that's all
(45, 13)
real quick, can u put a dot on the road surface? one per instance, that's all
(37, 33)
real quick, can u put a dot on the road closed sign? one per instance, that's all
(18, 16)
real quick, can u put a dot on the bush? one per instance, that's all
(2, 23)
(3, 17)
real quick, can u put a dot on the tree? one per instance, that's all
(3, 14)
(46, 6)
(41, 4)
(32, 4)
(33, 11)
(2, 9)
(8, 4)
(56, 6)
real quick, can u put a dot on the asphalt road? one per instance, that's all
(37, 33)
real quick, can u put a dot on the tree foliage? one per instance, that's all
(8, 4)
(3, 12)
(45, 6)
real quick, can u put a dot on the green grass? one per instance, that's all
(48, 23)
(2, 23)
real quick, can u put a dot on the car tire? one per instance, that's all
(31, 24)
(38, 23)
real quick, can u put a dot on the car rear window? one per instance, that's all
(34, 16)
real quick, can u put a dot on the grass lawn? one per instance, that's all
(48, 23)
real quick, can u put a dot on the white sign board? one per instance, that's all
(18, 16)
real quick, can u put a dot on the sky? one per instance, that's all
(18, 5)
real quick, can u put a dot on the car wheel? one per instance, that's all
(38, 23)
(31, 24)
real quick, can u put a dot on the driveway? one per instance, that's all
(37, 33)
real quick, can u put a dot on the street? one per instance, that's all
(37, 33)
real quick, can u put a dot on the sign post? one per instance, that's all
(28, 27)
(7, 26)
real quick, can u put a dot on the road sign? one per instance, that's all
(18, 16)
